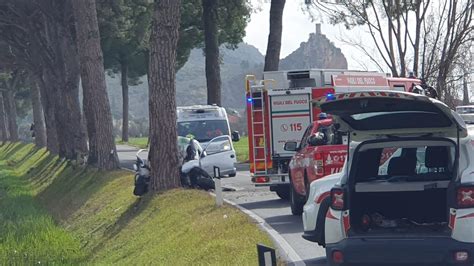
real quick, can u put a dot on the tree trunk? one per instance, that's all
(416, 46)
(61, 79)
(124, 74)
(465, 90)
(272, 57)
(211, 51)
(48, 103)
(94, 86)
(63, 94)
(162, 89)
(38, 117)
(10, 109)
(3, 122)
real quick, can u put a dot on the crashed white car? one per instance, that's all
(417, 206)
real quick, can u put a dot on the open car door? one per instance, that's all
(220, 153)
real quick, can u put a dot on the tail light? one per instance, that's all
(465, 197)
(461, 256)
(318, 164)
(337, 199)
(337, 257)
(260, 179)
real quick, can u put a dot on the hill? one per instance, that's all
(317, 52)
(191, 81)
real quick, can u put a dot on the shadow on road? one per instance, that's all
(286, 224)
(265, 204)
(127, 164)
(316, 262)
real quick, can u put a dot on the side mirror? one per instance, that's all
(291, 146)
(317, 139)
(235, 136)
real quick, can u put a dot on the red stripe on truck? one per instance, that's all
(286, 116)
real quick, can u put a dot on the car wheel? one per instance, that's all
(282, 192)
(233, 174)
(296, 203)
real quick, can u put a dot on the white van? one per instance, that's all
(466, 112)
(204, 123)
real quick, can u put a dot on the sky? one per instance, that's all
(297, 26)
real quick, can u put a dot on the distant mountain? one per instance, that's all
(317, 52)
(191, 81)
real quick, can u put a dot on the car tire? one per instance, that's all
(283, 192)
(233, 174)
(296, 203)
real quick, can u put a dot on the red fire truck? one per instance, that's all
(279, 110)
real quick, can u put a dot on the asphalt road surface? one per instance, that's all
(261, 201)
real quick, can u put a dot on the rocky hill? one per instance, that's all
(317, 52)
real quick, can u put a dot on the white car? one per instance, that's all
(205, 123)
(417, 206)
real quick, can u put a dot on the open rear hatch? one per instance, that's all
(400, 175)
(368, 115)
(406, 193)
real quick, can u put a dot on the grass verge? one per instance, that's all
(52, 212)
(241, 147)
(140, 143)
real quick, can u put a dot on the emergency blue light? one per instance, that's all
(249, 100)
(330, 97)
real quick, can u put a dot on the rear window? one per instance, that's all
(363, 116)
(405, 164)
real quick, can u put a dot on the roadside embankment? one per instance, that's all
(54, 212)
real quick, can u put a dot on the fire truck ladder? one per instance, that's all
(259, 141)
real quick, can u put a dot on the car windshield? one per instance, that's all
(203, 131)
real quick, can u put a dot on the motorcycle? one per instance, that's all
(191, 173)
(142, 175)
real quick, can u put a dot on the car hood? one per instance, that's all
(375, 114)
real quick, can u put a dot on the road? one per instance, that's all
(262, 202)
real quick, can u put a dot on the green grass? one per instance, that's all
(241, 147)
(56, 213)
(140, 143)
(28, 234)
